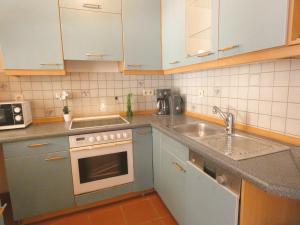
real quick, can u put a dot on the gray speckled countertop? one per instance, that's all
(277, 173)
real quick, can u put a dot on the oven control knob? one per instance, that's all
(125, 135)
(18, 118)
(91, 139)
(17, 109)
(105, 137)
(118, 135)
(112, 136)
(98, 138)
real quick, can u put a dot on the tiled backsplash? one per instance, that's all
(264, 95)
(92, 93)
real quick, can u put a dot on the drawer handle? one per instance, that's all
(55, 158)
(203, 54)
(228, 48)
(178, 167)
(92, 6)
(143, 133)
(95, 54)
(2, 209)
(134, 65)
(37, 145)
(175, 62)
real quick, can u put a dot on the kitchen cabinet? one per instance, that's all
(207, 201)
(142, 158)
(109, 6)
(93, 36)
(202, 27)
(173, 33)
(142, 34)
(247, 26)
(30, 35)
(169, 159)
(39, 183)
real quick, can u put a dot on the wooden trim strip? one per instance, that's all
(35, 72)
(249, 129)
(143, 72)
(268, 54)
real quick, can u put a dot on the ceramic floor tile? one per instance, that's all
(138, 211)
(74, 219)
(158, 205)
(169, 220)
(111, 215)
(153, 222)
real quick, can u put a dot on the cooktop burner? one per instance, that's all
(92, 122)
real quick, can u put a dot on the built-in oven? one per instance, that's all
(101, 160)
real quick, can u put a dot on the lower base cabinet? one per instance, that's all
(2, 208)
(208, 202)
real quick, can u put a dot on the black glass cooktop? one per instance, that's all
(97, 122)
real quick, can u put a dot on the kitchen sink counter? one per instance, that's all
(277, 173)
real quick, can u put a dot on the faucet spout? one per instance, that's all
(228, 119)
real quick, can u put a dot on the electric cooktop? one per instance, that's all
(101, 121)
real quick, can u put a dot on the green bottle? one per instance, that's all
(129, 112)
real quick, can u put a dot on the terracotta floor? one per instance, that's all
(148, 210)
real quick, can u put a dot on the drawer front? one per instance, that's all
(109, 6)
(176, 148)
(104, 194)
(36, 146)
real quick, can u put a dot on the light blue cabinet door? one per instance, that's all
(208, 202)
(30, 35)
(142, 34)
(157, 160)
(40, 184)
(110, 6)
(143, 159)
(250, 25)
(92, 36)
(173, 33)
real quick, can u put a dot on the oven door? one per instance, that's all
(6, 115)
(101, 166)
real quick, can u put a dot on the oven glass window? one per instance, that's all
(6, 115)
(102, 167)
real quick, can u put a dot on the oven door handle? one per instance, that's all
(91, 147)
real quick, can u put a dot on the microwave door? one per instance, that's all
(6, 115)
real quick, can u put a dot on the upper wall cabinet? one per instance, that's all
(110, 6)
(251, 25)
(30, 35)
(142, 34)
(173, 33)
(90, 35)
(202, 18)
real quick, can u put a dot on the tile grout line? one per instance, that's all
(123, 215)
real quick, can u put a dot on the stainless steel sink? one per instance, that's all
(198, 130)
(239, 147)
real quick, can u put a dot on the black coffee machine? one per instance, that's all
(163, 104)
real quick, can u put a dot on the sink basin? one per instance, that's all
(239, 147)
(198, 130)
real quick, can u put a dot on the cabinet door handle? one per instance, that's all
(50, 64)
(95, 54)
(203, 54)
(178, 167)
(92, 6)
(135, 65)
(55, 158)
(175, 62)
(2, 209)
(228, 48)
(37, 145)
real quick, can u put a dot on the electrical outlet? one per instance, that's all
(201, 93)
(148, 92)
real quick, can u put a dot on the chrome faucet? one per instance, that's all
(227, 117)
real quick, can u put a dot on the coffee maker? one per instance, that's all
(163, 104)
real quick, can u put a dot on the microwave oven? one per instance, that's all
(15, 115)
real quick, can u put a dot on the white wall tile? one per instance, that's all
(279, 109)
(281, 78)
(264, 121)
(280, 94)
(293, 111)
(293, 127)
(295, 78)
(265, 107)
(278, 124)
(294, 94)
